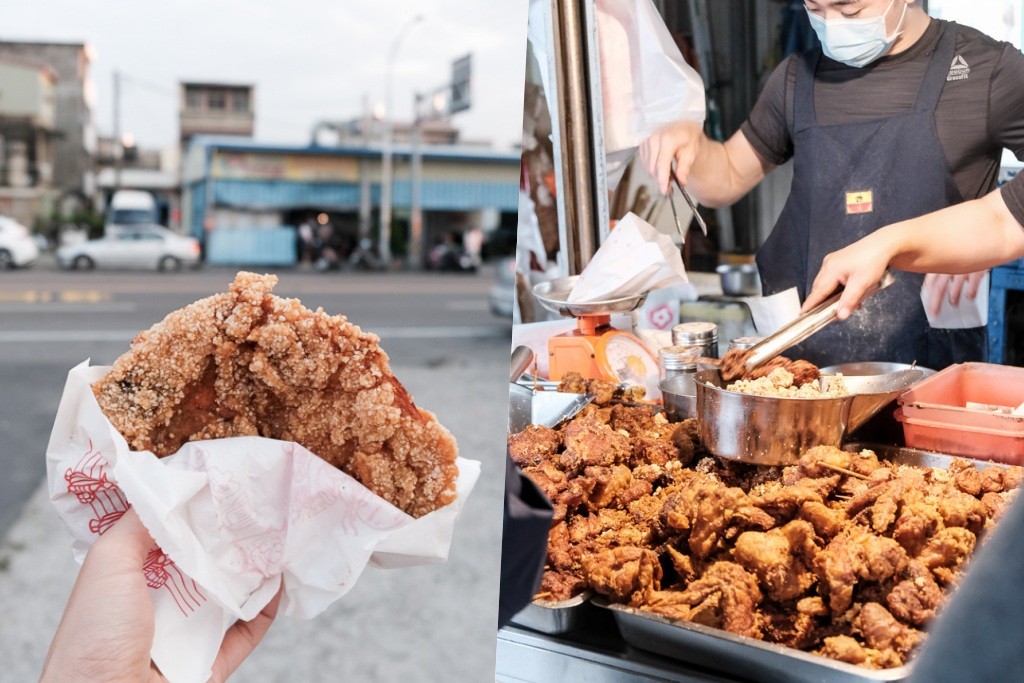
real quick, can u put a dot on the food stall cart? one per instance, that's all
(590, 638)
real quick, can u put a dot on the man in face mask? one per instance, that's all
(895, 117)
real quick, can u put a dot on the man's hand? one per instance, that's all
(857, 268)
(951, 287)
(680, 142)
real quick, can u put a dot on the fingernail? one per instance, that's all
(843, 313)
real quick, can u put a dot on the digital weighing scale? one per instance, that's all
(595, 349)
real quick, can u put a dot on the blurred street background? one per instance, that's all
(368, 153)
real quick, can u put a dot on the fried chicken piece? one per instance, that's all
(783, 502)
(534, 445)
(733, 367)
(998, 479)
(946, 551)
(918, 521)
(882, 631)
(247, 361)
(777, 558)
(572, 383)
(682, 563)
(614, 487)
(589, 442)
(847, 649)
(725, 596)
(720, 511)
(787, 626)
(549, 479)
(625, 574)
(560, 547)
(827, 521)
(557, 586)
(960, 509)
(815, 462)
(915, 599)
(856, 555)
(632, 419)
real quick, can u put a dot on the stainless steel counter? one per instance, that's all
(595, 653)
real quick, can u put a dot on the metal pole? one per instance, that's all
(580, 238)
(387, 172)
(416, 213)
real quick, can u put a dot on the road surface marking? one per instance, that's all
(385, 333)
(61, 307)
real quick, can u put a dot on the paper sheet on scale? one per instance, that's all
(635, 259)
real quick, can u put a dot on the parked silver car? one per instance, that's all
(137, 246)
(17, 246)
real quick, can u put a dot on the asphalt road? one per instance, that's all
(51, 320)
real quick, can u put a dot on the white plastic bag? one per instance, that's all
(645, 82)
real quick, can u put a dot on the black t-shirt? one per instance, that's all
(980, 112)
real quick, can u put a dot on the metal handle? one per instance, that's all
(522, 356)
(804, 326)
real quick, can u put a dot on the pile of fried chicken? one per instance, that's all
(842, 555)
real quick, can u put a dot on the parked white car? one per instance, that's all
(17, 246)
(137, 246)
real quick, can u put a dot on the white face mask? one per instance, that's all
(856, 42)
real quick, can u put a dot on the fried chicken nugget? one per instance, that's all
(251, 363)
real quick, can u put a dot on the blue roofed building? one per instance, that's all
(244, 199)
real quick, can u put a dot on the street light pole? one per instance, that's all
(387, 171)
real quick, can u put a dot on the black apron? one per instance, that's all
(849, 180)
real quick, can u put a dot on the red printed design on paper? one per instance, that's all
(88, 482)
(161, 572)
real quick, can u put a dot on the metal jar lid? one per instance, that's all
(679, 357)
(694, 333)
(743, 343)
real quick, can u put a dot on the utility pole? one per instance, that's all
(416, 173)
(387, 172)
(118, 148)
(364, 175)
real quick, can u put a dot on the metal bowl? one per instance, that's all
(739, 279)
(554, 296)
(765, 430)
(679, 394)
(873, 369)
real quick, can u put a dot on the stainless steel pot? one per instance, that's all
(739, 279)
(764, 430)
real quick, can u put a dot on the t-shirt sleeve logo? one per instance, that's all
(959, 70)
(861, 201)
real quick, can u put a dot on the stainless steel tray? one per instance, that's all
(914, 456)
(554, 617)
(752, 658)
(748, 658)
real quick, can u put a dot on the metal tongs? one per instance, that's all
(689, 200)
(804, 326)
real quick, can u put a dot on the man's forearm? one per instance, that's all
(723, 173)
(968, 237)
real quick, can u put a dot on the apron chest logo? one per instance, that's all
(859, 202)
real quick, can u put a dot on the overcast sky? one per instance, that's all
(309, 59)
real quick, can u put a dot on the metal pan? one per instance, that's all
(747, 658)
(554, 617)
(754, 659)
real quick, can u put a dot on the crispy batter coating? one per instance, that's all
(250, 363)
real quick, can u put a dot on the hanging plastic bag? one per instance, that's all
(645, 82)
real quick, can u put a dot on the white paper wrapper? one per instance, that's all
(634, 259)
(233, 518)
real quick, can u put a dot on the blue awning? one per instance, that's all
(437, 195)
